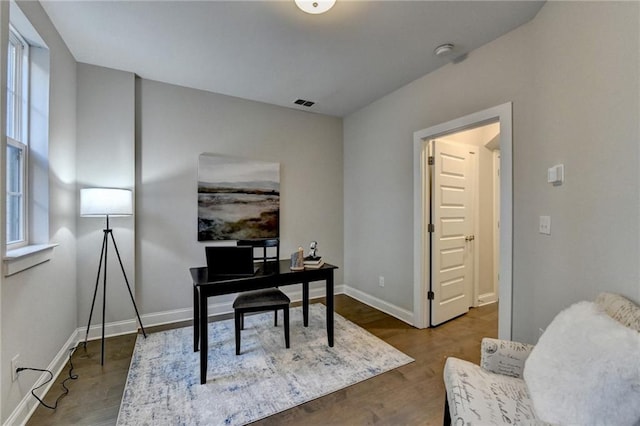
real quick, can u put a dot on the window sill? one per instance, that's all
(23, 258)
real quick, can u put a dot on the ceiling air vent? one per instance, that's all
(304, 102)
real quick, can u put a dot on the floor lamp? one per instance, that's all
(105, 202)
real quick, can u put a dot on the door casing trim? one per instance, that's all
(502, 114)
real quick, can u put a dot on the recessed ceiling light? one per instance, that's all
(443, 49)
(315, 7)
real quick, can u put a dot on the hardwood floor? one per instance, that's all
(410, 395)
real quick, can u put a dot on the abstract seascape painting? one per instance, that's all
(238, 198)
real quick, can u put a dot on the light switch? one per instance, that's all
(545, 225)
(555, 175)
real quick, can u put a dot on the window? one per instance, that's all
(17, 139)
(27, 242)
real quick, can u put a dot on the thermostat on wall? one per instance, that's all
(555, 174)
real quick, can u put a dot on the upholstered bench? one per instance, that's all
(584, 370)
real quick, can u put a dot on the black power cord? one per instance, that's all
(63, 384)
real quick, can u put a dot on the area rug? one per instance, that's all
(163, 386)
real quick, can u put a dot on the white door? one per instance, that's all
(451, 236)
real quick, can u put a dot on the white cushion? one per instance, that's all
(585, 370)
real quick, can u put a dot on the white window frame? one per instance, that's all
(19, 122)
(35, 246)
(21, 192)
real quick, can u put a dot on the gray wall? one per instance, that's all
(105, 158)
(39, 304)
(148, 135)
(175, 126)
(571, 73)
(573, 79)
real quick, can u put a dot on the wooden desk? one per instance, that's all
(270, 274)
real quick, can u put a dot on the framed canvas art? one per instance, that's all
(238, 198)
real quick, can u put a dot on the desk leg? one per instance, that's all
(204, 338)
(329, 297)
(305, 304)
(196, 319)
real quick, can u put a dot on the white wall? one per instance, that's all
(39, 304)
(572, 76)
(175, 126)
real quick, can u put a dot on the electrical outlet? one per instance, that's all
(545, 225)
(381, 281)
(15, 364)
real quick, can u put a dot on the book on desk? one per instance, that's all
(313, 262)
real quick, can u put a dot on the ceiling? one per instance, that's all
(270, 51)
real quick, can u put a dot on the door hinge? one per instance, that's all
(430, 227)
(431, 160)
(430, 295)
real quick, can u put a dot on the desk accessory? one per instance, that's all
(313, 261)
(315, 265)
(297, 260)
(313, 249)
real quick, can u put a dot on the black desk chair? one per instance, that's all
(269, 299)
(269, 248)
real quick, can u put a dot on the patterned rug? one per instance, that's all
(163, 385)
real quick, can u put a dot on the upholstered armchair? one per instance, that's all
(584, 370)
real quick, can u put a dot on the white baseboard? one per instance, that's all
(487, 298)
(379, 304)
(186, 314)
(223, 308)
(28, 404)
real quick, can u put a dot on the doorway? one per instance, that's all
(482, 146)
(423, 267)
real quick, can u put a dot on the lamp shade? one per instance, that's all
(106, 202)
